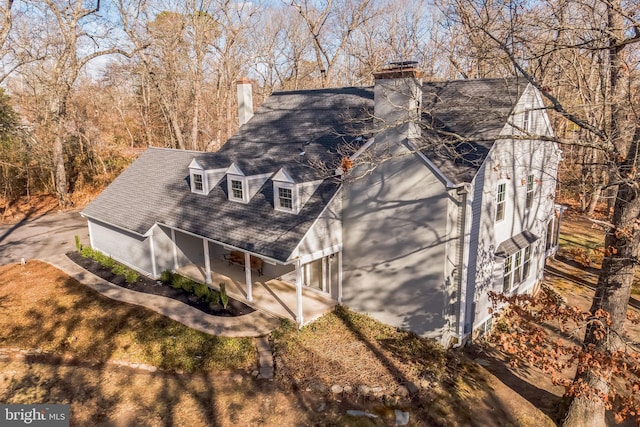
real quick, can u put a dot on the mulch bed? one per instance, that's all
(147, 285)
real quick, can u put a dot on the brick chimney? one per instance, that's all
(398, 97)
(245, 100)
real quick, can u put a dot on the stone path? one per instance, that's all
(265, 358)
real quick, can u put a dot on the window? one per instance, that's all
(285, 197)
(526, 264)
(502, 188)
(197, 182)
(236, 189)
(526, 120)
(529, 191)
(516, 268)
(506, 285)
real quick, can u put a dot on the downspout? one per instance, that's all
(461, 276)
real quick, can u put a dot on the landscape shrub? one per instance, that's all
(224, 298)
(167, 277)
(118, 269)
(201, 290)
(106, 261)
(130, 276)
(78, 244)
(213, 297)
(87, 252)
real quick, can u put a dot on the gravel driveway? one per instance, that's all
(42, 237)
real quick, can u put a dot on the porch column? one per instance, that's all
(154, 271)
(207, 262)
(340, 276)
(324, 274)
(90, 235)
(299, 318)
(175, 250)
(247, 275)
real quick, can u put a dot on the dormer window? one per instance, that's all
(197, 182)
(237, 190)
(285, 198)
(203, 180)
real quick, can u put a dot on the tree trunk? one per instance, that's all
(622, 241)
(59, 168)
(614, 288)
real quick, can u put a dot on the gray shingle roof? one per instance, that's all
(472, 112)
(515, 243)
(155, 189)
(313, 121)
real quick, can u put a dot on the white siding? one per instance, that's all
(395, 243)
(509, 162)
(326, 233)
(121, 245)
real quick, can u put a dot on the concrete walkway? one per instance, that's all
(255, 324)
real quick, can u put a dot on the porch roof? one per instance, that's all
(155, 189)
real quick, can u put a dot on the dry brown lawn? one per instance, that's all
(203, 380)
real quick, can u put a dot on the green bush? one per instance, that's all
(201, 290)
(224, 298)
(213, 297)
(184, 283)
(167, 277)
(78, 244)
(130, 276)
(119, 269)
(87, 252)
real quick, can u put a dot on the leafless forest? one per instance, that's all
(87, 84)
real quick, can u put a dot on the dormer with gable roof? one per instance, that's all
(203, 180)
(242, 188)
(288, 195)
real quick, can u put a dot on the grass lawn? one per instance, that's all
(582, 241)
(45, 309)
(204, 380)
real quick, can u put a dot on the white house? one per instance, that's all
(448, 193)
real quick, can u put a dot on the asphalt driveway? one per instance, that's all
(42, 237)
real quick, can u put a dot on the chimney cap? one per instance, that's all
(402, 64)
(243, 80)
(399, 70)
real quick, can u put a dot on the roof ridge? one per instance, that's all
(178, 150)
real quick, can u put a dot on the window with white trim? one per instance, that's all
(506, 284)
(529, 191)
(285, 198)
(526, 264)
(501, 201)
(197, 182)
(516, 269)
(526, 120)
(237, 189)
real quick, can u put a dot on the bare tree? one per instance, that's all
(72, 37)
(330, 24)
(532, 36)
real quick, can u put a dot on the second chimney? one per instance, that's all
(245, 100)
(398, 97)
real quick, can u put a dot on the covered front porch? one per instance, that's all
(301, 290)
(272, 295)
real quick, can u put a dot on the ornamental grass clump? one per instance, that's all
(224, 298)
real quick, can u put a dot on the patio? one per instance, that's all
(271, 295)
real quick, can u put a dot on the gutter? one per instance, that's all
(461, 337)
(225, 245)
